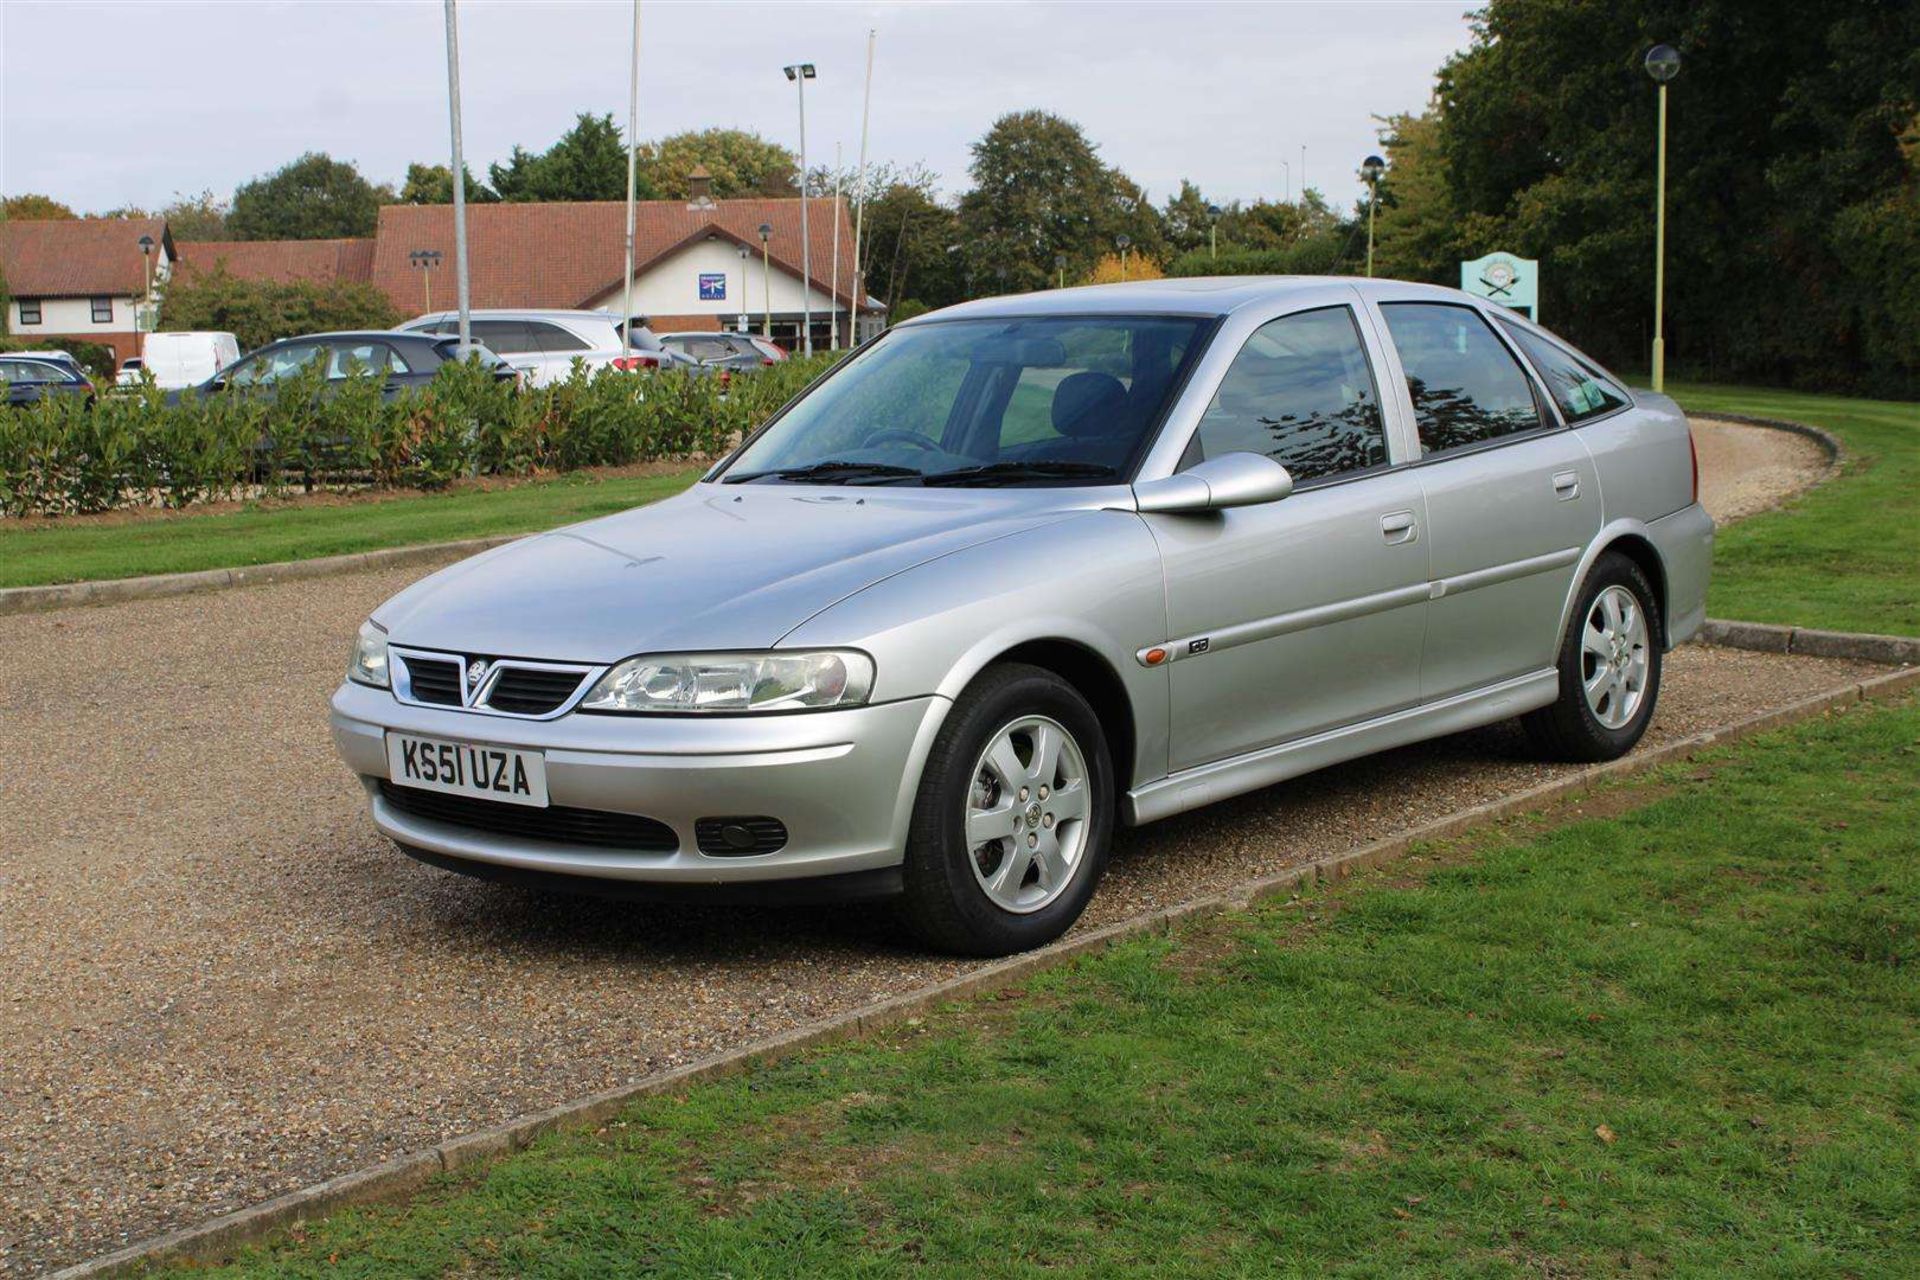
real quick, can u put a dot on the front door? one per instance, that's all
(1513, 499)
(1304, 614)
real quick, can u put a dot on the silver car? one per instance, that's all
(1031, 567)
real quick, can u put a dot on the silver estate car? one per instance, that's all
(1029, 567)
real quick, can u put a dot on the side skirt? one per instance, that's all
(1204, 784)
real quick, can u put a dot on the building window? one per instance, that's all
(29, 311)
(102, 310)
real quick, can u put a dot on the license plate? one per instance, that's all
(468, 769)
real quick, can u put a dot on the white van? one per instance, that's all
(188, 359)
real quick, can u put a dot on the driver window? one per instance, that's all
(1301, 392)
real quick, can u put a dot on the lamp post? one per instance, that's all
(1213, 231)
(1060, 268)
(1123, 242)
(766, 280)
(146, 299)
(1371, 168)
(746, 255)
(425, 260)
(1663, 64)
(800, 73)
(1287, 169)
(633, 144)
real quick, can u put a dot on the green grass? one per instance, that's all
(1680, 1040)
(1845, 556)
(52, 551)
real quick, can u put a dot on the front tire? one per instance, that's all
(1013, 818)
(1609, 667)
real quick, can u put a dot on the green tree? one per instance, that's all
(588, 162)
(908, 233)
(31, 206)
(313, 198)
(258, 311)
(201, 217)
(1187, 222)
(1040, 189)
(1420, 233)
(433, 184)
(1784, 150)
(740, 163)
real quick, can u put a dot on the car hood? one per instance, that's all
(717, 567)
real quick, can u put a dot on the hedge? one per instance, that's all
(59, 457)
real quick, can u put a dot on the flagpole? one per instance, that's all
(833, 329)
(860, 200)
(459, 178)
(633, 125)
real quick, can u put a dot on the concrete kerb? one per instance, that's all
(216, 1239)
(116, 590)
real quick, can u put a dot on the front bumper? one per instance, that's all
(842, 782)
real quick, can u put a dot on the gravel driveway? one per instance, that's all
(219, 984)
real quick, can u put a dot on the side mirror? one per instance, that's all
(1230, 480)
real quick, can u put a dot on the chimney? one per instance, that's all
(700, 188)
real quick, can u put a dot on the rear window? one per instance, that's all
(1581, 391)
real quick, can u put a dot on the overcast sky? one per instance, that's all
(108, 104)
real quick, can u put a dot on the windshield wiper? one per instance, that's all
(830, 471)
(994, 471)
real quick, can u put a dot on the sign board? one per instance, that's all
(1505, 279)
(743, 322)
(713, 286)
(145, 317)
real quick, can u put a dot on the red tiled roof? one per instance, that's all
(282, 261)
(566, 255)
(70, 257)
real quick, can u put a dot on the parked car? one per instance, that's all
(30, 379)
(65, 359)
(543, 345)
(407, 360)
(737, 352)
(129, 374)
(1029, 568)
(187, 359)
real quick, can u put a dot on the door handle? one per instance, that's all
(1399, 527)
(1566, 485)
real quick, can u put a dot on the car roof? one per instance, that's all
(1189, 296)
(519, 313)
(384, 335)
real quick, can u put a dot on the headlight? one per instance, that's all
(368, 665)
(696, 682)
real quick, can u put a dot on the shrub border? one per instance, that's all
(395, 1179)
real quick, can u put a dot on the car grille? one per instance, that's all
(434, 680)
(739, 837)
(526, 691)
(513, 687)
(595, 827)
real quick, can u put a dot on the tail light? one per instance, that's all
(1693, 459)
(726, 378)
(628, 364)
(768, 360)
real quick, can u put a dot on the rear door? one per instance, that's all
(1305, 614)
(1511, 495)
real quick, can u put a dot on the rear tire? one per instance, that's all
(1609, 666)
(1013, 817)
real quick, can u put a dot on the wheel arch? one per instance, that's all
(1095, 679)
(1630, 539)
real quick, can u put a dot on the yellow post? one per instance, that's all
(1372, 200)
(1660, 252)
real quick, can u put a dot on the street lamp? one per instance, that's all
(1371, 168)
(1123, 242)
(746, 255)
(1213, 231)
(1663, 64)
(146, 299)
(1287, 169)
(766, 279)
(800, 73)
(425, 260)
(1060, 268)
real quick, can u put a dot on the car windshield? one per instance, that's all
(1036, 400)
